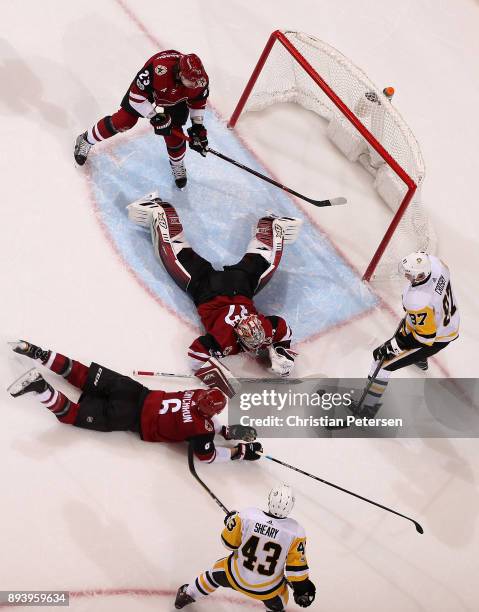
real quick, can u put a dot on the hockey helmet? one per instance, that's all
(210, 401)
(280, 500)
(192, 72)
(250, 332)
(416, 267)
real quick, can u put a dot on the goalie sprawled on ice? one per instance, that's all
(224, 298)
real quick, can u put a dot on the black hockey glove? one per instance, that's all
(239, 432)
(248, 452)
(387, 350)
(229, 519)
(199, 138)
(304, 592)
(161, 123)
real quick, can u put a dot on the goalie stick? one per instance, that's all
(319, 203)
(419, 529)
(191, 465)
(282, 381)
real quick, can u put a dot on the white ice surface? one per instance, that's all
(89, 512)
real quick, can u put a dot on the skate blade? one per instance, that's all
(26, 378)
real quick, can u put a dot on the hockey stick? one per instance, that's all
(371, 379)
(419, 529)
(281, 381)
(191, 465)
(321, 203)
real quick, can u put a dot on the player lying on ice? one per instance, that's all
(269, 552)
(224, 299)
(176, 83)
(431, 323)
(113, 402)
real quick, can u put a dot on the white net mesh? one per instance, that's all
(283, 79)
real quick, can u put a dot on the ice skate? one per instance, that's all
(182, 598)
(179, 173)
(29, 382)
(82, 148)
(22, 347)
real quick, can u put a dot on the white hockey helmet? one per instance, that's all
(415, 267)
(280, 500)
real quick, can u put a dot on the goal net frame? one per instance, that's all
(279, 37)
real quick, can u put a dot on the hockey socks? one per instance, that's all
(65, 410)
(377, 387)
(203, 586)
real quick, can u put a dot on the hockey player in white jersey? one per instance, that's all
(268, 554)
(430, 324)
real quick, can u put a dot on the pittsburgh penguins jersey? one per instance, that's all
(267, 551)
(432, 314)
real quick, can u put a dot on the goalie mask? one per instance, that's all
(192, 72)
(250, 332)
(416, 267)
(210, 402)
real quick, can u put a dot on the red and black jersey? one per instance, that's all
(174, 417)
(157, 83)
(219, 316)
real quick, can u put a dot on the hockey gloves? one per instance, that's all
(239, 432)
(387, 350)
(282, 360)
(248, 452)
(199, 138)
(304, 592)
(161, 123)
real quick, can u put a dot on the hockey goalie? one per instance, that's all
(224, 298)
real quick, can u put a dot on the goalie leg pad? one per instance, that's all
(140, 211)
(267, 242)
(168, 240)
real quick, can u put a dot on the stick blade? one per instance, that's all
(419, 529)
(338, 201)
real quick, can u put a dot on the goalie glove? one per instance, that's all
(282, 360)
(140, 210)
(239, 432)
(215, 374)
(304, 592)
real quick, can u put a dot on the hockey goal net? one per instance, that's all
(362, 123)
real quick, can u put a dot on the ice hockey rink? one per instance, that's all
(121, 523)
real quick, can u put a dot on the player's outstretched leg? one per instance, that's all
(271, 234)
(33, 382)
(107, 127)
(73, 371)
(168, 240)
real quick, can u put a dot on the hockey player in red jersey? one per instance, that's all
(224, 299)
(113, 402)
(173, 81)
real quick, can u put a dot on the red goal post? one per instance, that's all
(362, 123)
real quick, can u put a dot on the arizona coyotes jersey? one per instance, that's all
(174, 417)
(157, 83)
(219, 316)
(267, 551)
(431, 309)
